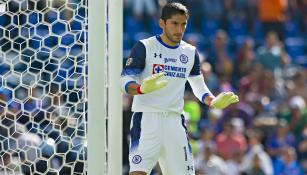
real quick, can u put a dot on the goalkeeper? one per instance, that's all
(156, 73)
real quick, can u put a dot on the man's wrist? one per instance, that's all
(209, 99)
(138, 89)
(210, 102)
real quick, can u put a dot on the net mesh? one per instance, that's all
(43, 86)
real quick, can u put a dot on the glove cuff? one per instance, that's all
(138, 89)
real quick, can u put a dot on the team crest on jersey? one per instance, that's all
(136, 159)
(183, 58)
(129, 61)
(157, 68)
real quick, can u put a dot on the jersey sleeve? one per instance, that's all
(134, 65)
(196, 66)
(199, 87)
(136, 61)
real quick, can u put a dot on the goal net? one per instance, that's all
(43, 98)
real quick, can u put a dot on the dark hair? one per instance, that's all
(173, 8)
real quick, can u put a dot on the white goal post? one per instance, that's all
(105, 101)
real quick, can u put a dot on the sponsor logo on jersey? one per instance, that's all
(136, 159)
(174, 60)
(157, 68)
(129, 61)
(183, 58)
(156, 55)
(173, 71)
(170, 71)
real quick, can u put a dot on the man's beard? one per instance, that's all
(171, 38)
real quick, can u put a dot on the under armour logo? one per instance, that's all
(190, 168)
(160, 55)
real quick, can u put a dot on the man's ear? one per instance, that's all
(161, 23)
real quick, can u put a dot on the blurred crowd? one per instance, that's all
(256, 48)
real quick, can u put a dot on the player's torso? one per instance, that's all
(177, 64)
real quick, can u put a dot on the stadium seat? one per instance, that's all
(258, 34)
(301, 60)
(237, 28)
(132, 26)
(209, 27)
(154, 27)
(295, 47)
(140, 35)
(126, 41)
(291, 29)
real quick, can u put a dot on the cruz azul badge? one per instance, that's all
(183, 58)
(157, 68)
(136, 159)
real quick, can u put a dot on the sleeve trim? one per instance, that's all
(127, 84)
(204, 96)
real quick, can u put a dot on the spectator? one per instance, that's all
(255, 166)
(244, 59)
(302, 149)
(210, 119)
(209, 163)
(297, 87)
(296, 116)
(229, 142)
(293, 11)
(196, 14)
(288, 164)
(192, 114)
(240, 114)
(205, 139)
(256, 160)
(303, 17)
(272, 55)
(218, 55)
(272, 15)
(209, 76)
(281, 139)
(235, 9)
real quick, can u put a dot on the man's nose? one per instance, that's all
(180, 29)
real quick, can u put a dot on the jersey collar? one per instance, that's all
(165, 45)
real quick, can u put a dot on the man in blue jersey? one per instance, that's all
(156, 73)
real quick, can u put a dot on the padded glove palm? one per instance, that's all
(153, 83)
(223, 100)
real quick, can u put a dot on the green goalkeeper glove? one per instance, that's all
(152, 83)
(223, 100)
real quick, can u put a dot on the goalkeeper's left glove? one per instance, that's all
(223, 100)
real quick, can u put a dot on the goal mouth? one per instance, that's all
(43, 92)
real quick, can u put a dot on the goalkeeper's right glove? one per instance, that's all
(152, 83)
(223, 100)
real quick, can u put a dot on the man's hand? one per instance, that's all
(223, 100)
(153, 83)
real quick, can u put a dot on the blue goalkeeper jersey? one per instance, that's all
(151, 56)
